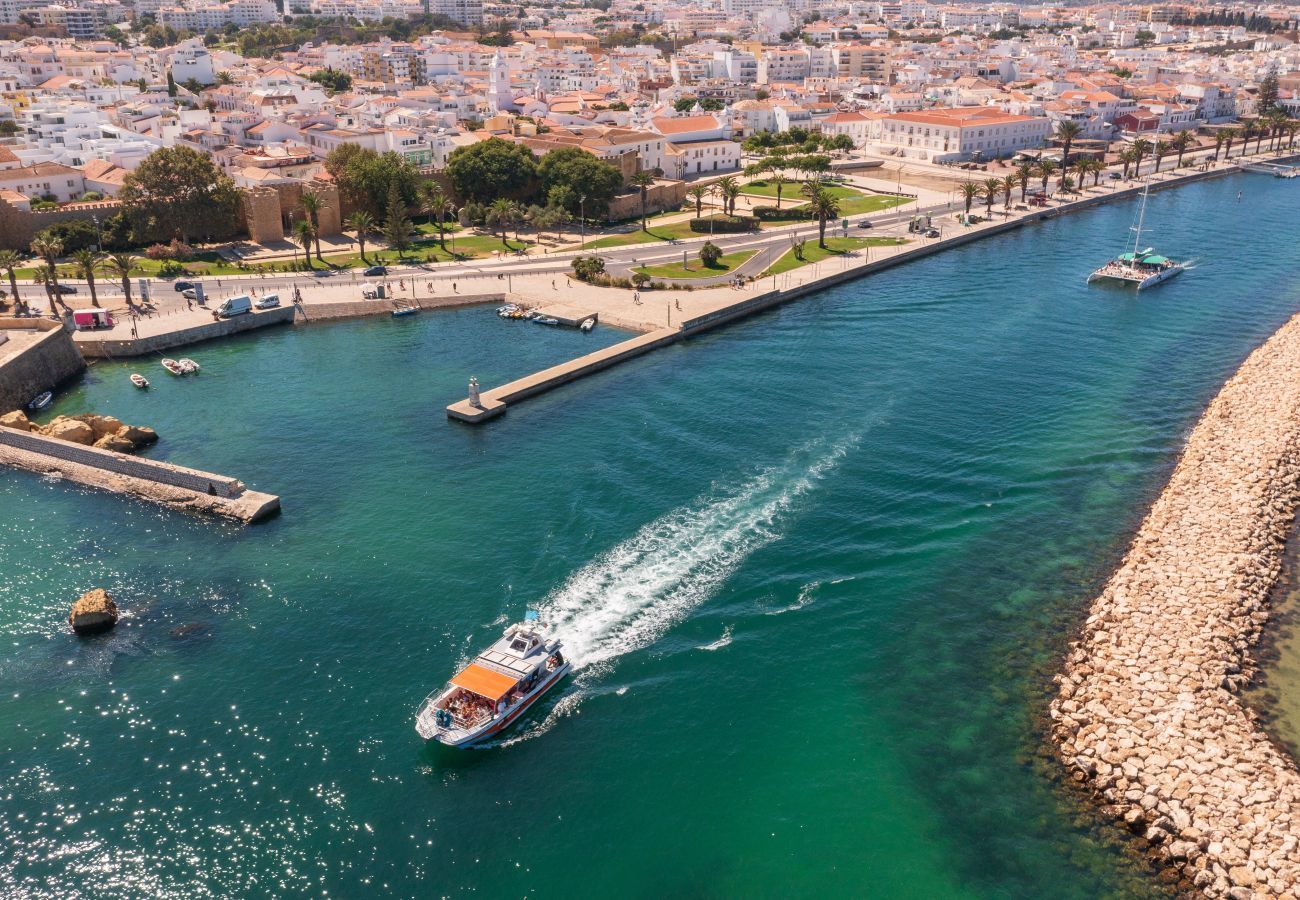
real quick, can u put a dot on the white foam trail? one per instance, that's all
(627, 598)
(721, 642)
(805, 597)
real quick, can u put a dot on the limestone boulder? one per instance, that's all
(74, 430)
(94, 612)
(137, 435)
(102, 425)
(114, 443)
(17, 420)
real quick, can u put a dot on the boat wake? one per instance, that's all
(721, 642)
(630, 596)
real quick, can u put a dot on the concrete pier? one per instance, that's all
(494, 402)
(148, 479)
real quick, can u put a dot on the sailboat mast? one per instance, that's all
(1137, 230)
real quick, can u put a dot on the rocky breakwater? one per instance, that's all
(1147, 712)
(104, 432)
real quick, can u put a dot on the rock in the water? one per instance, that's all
(102, 425)
(191, 631)
(138, 435)
(94, 612)
(16, 419)
(115, 443)
(66, 429)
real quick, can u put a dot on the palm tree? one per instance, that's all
(312, 204)
(969, 191)
(728, 189)
(1008, 188)
(362, 224)
(1292, 127)
(990, 190)
(1044, 170)
(1081, 169)
(1024, 172)
(1141, 147)
(1066, 132)
(501, 212)
(304, 234)
(643, 179)
(436, 204)
(779, 180)
(1182, 140)
(1098, 166)
(698, 193)
(121, 265)
(1229, 135)
(1162, 150)
(823, 205)
(50, 248)
(10, 260)
(1126, 157)
(1219, 137)
(87, 262)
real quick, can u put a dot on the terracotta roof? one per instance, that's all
(683, 124)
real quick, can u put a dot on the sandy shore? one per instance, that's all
(1148, 712)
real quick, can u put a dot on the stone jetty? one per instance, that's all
(1147, 712)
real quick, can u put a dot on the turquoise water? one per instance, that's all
(815, 568)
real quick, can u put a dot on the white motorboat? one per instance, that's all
(493, 691)
(189, 365)
(139, 380)
(546, 320)
(1144, 268)
(587, 324)
(41, 401)
(173, 366)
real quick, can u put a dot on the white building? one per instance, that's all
(950, 135)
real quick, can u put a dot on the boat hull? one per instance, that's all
(496, 725)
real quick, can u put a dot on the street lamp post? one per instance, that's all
(99, 238)
(582, 219)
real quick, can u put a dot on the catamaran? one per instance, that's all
(1143, 268)
(493, 691)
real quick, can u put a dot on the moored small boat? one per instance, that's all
(546, 320)
(189, 365)
(139, 380)
(40, 401)
(405, 309)
(493, 691)
(587, 324)
(173, 366)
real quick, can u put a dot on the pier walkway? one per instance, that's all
(149, 479)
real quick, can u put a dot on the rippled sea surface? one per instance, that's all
(815, 567)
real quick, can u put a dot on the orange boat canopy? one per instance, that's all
(484, 682)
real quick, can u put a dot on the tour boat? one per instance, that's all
(41, 401)
(1144, 268)
(489, 694)
(139, 380)
(173, 366)
(189, 365)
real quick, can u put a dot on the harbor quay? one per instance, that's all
(1147, 712)
(676, 314)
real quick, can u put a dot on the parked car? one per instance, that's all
(235, 306)
(932, 233)
(180, 286)
(67, 288)
(269, 301)
(375, 270)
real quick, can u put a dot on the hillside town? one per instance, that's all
(370, 110)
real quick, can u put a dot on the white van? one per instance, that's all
(235, 306)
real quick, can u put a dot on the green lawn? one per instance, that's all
(698, 270)
(671, 231)
(852, 201)
(835, 246)
(470, 247)
(208, 263)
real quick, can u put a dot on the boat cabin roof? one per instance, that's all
(485, 682)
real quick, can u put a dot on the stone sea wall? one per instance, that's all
(1147, 712)
(44, 365)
